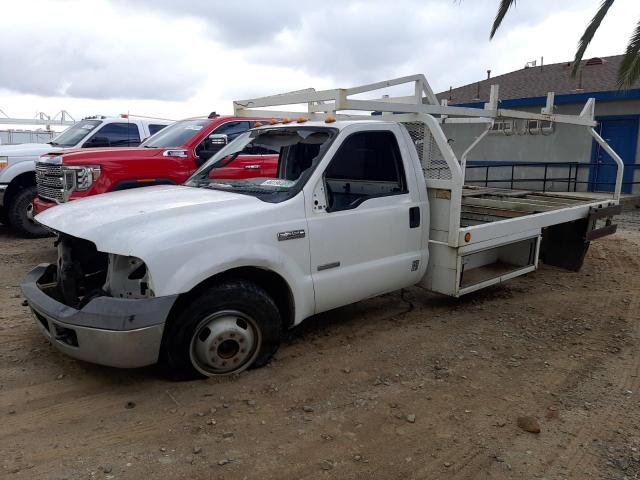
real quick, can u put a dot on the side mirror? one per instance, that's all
(98, 142)
(218, 140)
(214, 143)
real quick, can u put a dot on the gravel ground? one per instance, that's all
(407, 385)
(630, 218)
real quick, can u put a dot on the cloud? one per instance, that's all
(235, 24)
(111, 56)
(177, 59)
(366, 40)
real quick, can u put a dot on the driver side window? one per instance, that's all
(115, 135)
(367, 165)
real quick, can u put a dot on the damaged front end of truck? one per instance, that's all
(96, 306)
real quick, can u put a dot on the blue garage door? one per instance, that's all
(622, 134)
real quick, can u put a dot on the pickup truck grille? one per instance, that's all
(50, 182)
(49, 193)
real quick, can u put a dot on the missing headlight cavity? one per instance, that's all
(84, 273)
(82, 269)
(127, 277)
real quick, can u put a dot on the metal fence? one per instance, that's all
(509, 173)
(13, 137)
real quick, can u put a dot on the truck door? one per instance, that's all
(622, 135)
(368, 239)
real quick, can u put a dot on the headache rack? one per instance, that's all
(478, 235)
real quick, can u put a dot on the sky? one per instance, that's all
(176, 59)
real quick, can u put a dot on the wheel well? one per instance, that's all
(271, 282)
(27, 179)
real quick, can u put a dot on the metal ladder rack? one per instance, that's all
(422, 106)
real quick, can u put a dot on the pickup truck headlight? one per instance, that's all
(80, 177)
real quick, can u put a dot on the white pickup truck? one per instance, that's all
(17, 162)
(204, 277)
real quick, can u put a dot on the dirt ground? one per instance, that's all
(408, 385)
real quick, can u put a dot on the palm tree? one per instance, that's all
(629, 71)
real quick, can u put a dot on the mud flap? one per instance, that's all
(565, 245)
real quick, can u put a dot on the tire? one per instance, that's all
(4, 217)
(17, 213)
(226, 329)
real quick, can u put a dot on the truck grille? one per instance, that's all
(49, 193)
(50, 182)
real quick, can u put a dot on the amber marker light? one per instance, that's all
(329, 119)
(467, 237)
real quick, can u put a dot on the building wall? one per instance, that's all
(568, 143)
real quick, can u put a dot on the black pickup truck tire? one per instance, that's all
(17, 214)
(223, 330)
(4, 217)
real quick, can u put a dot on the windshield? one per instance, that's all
(175, 135)
(274, 162)
(72, 135)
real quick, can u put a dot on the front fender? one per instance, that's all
(17, 166)
(206, 264)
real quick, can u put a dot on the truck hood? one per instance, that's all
(27, 150)
(93, 156)
(133, 222)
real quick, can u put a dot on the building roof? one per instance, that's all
(598, 74)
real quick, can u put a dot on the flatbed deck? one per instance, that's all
(482, 205)
(490, 214)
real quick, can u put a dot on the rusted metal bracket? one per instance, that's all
(609, 228)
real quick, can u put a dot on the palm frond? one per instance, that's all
(629, 70)
(590, 31)
(504, 7)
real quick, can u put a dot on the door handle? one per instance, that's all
(251, 167)
(414, 217)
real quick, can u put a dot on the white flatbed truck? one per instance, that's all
(204, 277)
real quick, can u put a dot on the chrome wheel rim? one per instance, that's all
(225, 342)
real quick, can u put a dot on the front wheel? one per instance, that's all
(225, 330)
(4, 216)
(18, 213)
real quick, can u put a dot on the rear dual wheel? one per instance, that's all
(226, 329)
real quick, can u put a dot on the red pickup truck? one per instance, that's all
(168, 157)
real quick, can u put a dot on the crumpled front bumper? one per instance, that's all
(116, 332)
